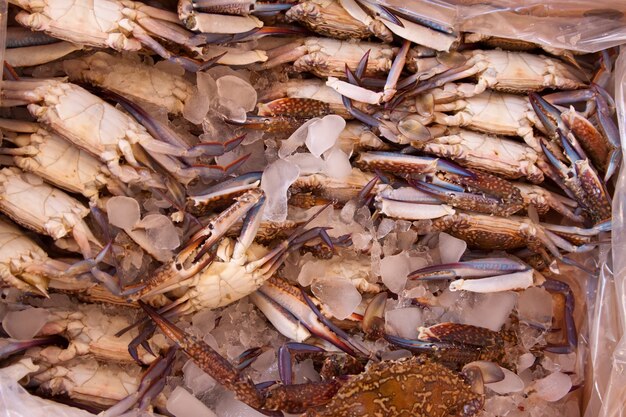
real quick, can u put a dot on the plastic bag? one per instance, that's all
(13, 397)
(582, 25)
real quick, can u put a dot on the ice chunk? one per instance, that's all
(228, 406)
(204, 321)
(361, 241)
(386, 225)
(404, 322)
(500, 406)
(309, 271)
(264, 361)
(198, 105)
(182, 404)
(510, 383)
(337, 164)
(553, 387)
(123, 212)
(490, 310)
(305, 372)
(534, 305)
(338, 294)
(525, 361)
(160, 230)
(394, 270)
(232, 111)
(241, 93)
(275, 181)
(196, 379)
(450, 248)
(25, 324)
(297, 139)
(346, 214)
(307, 163)
(323, 134)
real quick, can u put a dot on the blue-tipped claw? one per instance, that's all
(570, 152)
(548, 114)
(285, 369)
(448, 166)
(479, 268)
(382, 11)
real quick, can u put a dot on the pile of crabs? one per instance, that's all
(324, 207)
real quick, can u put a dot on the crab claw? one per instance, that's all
(9, 347)
(253, 34)
(455, 343)
(208, 360)
(213, 197)
(294, 303)
(478, 268)
(409, 164)
(571, 335)
(582, 181)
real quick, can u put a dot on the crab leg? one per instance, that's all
(208, 360)
(152, 383)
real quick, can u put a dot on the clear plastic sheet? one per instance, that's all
(582, 25)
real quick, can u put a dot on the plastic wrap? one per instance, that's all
(581, 25)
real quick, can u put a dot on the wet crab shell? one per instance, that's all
(412, 388)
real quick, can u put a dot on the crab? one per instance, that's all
(579, 177)
(94, 383)
(507, 71)
(328, 57)
(71, 111)
(23, 264)
(235, 269)
(53, 212)
(498, 155)
(133, 79)
(127, 26)
(598, 139)
(48, 155)
(330, 18)
(381, 386)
